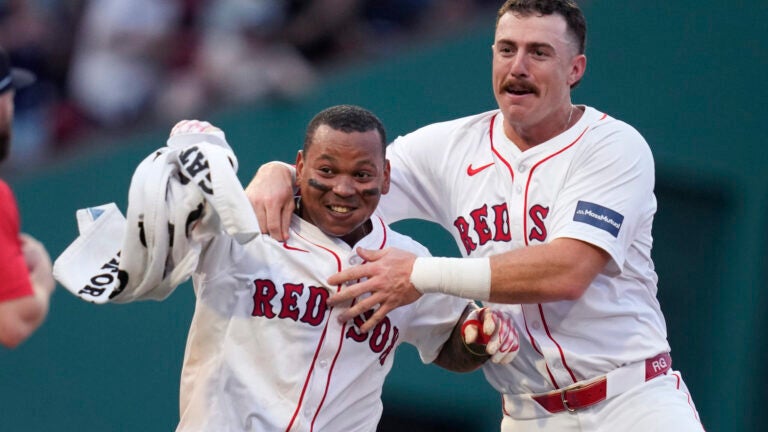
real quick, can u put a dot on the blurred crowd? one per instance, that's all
(111, 65)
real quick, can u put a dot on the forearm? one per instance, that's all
(280, 168)
(271, 194)
(539, 274)
(561, 270)
(458, 357)
(20, 317)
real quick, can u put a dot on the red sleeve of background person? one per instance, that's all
(14, 277)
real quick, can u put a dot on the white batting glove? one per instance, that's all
(193, 126)
(498, 334)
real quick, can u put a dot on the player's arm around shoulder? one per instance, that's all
(422, 156)
(616, 146)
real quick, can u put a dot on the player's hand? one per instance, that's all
(39, 265)
(193, 126)
(271, 196)
(389, 283)
(494, 329)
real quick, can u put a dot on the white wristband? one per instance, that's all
(462, 277)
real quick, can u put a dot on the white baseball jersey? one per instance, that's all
(594, 182)
(265, 352)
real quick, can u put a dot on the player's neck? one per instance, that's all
(355, 236)
(528, 136)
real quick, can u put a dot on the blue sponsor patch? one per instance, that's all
(599, 217)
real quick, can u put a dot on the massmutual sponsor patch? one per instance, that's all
(599, 217)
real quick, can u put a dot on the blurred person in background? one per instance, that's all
(118, 58)
(34, 35)
(230, 52)
(26, 281)
(107, 64)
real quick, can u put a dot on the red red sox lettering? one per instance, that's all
(312, 310)
(483, 226)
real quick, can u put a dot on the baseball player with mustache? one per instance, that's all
(551, 205)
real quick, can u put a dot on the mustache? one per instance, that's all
(374, 191)
(513, 85)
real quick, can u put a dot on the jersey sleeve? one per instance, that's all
(433, 319)
(14, 275)
(413, 193)
(608, 198)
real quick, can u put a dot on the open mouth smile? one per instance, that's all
(340, 209)
(519, 89)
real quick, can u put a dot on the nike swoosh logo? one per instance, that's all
(472, 171)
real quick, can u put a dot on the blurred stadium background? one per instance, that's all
(115, 75)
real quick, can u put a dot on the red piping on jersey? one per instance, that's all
(309, 374)
(341, 338)
(319, 344)
(530, 176)
(530, 336)
(688, 395)
(493, 148)
(525, 231)
(330, 372)
(322, 337)
(535, 347)
(285, 245)
(525, 239)
(384, 236)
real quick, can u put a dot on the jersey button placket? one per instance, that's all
(556, 367)
(516, 211)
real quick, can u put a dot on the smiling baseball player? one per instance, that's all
(552, 206)
(265, 352)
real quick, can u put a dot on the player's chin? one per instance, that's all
(340, 224)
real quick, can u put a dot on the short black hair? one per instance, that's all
(346, 118)
(568, 9)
